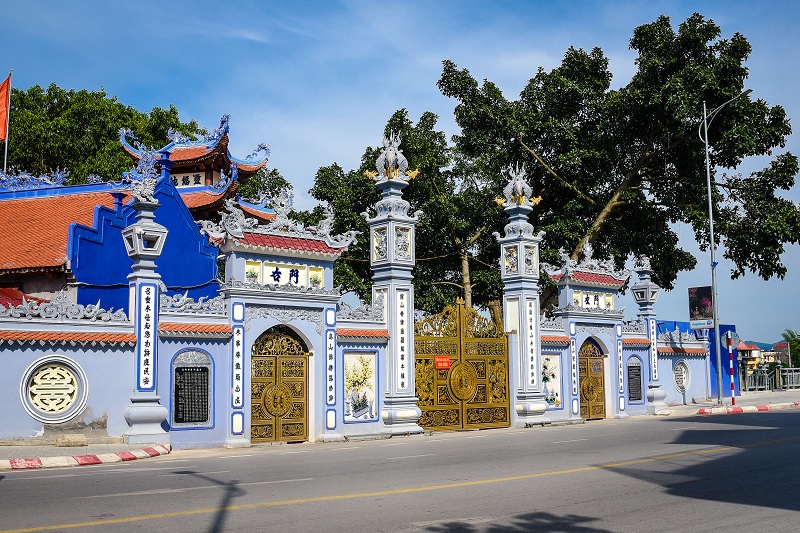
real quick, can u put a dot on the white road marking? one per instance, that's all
(565, 441)
(191, 473)
(411, 456)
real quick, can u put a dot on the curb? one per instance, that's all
(746, 409)
(81, 460)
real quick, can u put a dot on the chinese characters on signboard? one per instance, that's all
(146, 336)
(237, 398)
(330, 354)
(531, 313)
(401, 339)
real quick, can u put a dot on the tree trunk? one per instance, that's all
(496, 312)
(467, 281)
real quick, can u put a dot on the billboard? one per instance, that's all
(701, 308)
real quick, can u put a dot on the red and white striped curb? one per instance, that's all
(81, 460)
(746, 409)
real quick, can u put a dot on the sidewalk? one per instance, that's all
(748, 402)
(30, 454)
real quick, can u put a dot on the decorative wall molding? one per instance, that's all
(283, 314)
(553, 323)
(62, 310)
(597, 330)
(677, 337)
(590, 311)
(634, 326)
(182, 303)
(374, 312)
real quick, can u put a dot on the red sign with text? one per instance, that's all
(441, 362)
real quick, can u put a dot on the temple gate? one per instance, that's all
(279, 389)
(461, 371)
(591, 368)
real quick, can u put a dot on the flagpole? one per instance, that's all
(8, 121)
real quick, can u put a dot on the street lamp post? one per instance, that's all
(707, 118)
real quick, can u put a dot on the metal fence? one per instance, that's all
(762, 379)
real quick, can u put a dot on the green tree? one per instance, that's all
(78, 131)
(792, 339)
(266, 183)
(456, 255)
(617, 167)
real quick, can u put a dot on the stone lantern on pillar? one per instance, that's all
(519, 270)
(645, 293)
(144, 242)
(391, 254)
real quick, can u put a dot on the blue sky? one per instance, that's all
(318, 80)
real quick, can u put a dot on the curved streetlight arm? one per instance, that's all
(707, 118)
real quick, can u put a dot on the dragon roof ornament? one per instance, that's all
(391, 163)
(178, 139)
(143, 177)
(25, 182)
(234, 224)
(588, 265)
(678, 337)
(517, 191)
(224, 127)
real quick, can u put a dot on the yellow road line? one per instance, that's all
(392, 492)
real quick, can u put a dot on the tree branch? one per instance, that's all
(553, 173)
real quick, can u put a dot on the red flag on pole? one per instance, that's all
(5, 90)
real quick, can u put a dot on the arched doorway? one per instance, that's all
(591, 367)
(279, 387)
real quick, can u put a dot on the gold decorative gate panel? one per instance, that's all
(278, 390)
(461, 371)
(592, 372)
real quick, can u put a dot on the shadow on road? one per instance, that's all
(760, 466)
(230, 491)
(538, 522)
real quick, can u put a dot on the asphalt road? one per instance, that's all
(724, 473)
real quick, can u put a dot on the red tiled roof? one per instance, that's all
(201, 198)
(34, 230)
(353, 332)
(13, 297)
(743, 346)
(66, 337)
(675, 349)
(636, 342)
(294, 244)
(187, 153)
(182, 328)
(251, 167)
(591, 277)
(262, 215)
(554, 339)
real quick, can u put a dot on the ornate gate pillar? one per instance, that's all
(391, 255)
(144, 242)
(519, 270)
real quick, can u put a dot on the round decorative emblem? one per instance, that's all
(277, 400)
(54, 389)
(463, 381)
(681, 376)
(592, 389)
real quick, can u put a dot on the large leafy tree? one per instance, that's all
(618, 167)
(77, 131)
(455, 252)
